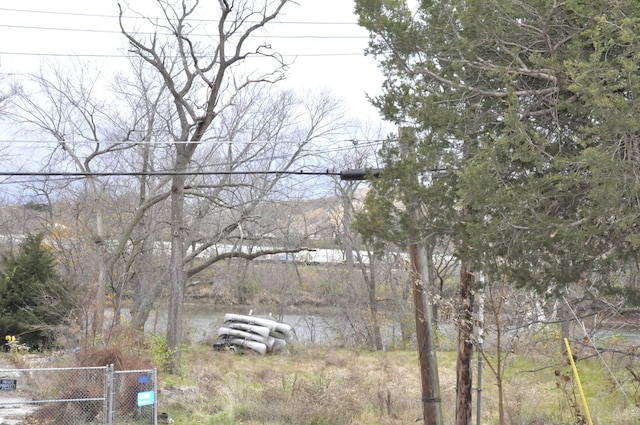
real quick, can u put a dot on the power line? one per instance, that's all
(353, 141)
(91, 15)
(333, 147)
(99, 31)
(124, 56)
(344, 175)
(331, 36)
(162, 173)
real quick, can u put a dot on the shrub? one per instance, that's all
(35, 302)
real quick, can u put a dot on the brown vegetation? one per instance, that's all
(319, 385)
(336, 386)
(112, 356)
(84, 396)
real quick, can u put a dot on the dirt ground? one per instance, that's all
(13, 407)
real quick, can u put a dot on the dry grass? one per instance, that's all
(310, 386)
(323, 386)
(317, 385)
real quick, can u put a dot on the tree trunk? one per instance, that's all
(177, 275)
(370, 279)
(565, 325)
(100, 296)
(347, 238)
(497, 305)
(431, 402)
(146, 288)
(501, 415)
(499, 374)
(465, 346)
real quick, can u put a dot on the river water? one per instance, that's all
(201, 323)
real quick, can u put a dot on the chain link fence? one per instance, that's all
(78, 396)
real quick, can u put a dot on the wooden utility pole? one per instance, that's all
(430, 383)
(423, 310)
(465, 345)
(465, 318)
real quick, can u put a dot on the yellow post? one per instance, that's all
(575, 373)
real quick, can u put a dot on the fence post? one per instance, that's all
(108, 394)
(155, 390)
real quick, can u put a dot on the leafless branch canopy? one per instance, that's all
(199, 73)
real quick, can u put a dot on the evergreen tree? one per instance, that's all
(35, 302)
(531, 106)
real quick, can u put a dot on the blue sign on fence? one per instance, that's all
(146, 398)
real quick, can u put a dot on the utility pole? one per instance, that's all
(429, 380)
(423, 311)
(430, 383)
(465, 345)
(480, 334)
(464, 383)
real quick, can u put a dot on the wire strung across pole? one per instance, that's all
(162, 173)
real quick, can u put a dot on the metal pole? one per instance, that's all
(155, 401)
(480, 345)
(108, 383)
(577, 376)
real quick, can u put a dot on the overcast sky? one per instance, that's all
(320, 37)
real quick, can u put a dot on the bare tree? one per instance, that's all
(146, 99)
(201, 79)
(262, 130)
(64, 105)
(94, 135)
(174, 104)
(6, 92)
(359, 257)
